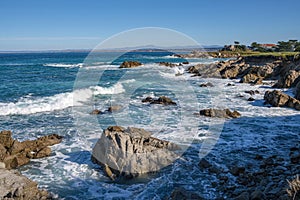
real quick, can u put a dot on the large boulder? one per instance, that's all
(14, 186)
(279, 99)
(289, 79)
(220, 113)
(131, 152)
(14, 153)
(130, 64)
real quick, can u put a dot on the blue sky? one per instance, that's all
(71, 24)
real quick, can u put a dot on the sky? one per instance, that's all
(71, 24)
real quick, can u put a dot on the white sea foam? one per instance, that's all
(63, 65)
(28, 105)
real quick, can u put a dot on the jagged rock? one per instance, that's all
(114, 108)
(289, 79)
(252, 92)
(130, 64)
(225, 113)
(206, 85)
(250, 78)
(279, 99)
(168, 64)
(14, 186)
(161, 100)
(14, 153)
(132, 151)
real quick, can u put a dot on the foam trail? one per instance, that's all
(26, 106)
(63, 65)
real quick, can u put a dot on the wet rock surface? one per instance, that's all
(129, 152)
(161, 100)
(219, 113)
(130, 64)
(14, 153)
(279, 99)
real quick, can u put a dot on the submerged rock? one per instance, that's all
(225, 113)
(130, 64)
(15, 186)
(161, 100)
(279, 99)
(14, 153)
(131, 152)
(96, 112)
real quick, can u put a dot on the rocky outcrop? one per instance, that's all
(226, 113)
(288, 79)
(131, 152)
(206, 85)
(14, 153)
(168, 64)
(130, 64)
(161, 100)
(14, 186)
(111, 109)
(279, 99)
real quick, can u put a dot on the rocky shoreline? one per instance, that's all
(14, 154)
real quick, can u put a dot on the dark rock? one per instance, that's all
(161, 100)
(250, 99)
(206, 84)
(236, 171)
(250, 78)
(185, 63)
(252, 92)
(204, 163)
(230, 84)
(130, 64)
(13, 185)
(279, 99)
(288, 79)
(226, 113)
(96, 112)
(168, 64)
(132, 151)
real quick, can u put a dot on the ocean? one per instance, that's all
(45, 93)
